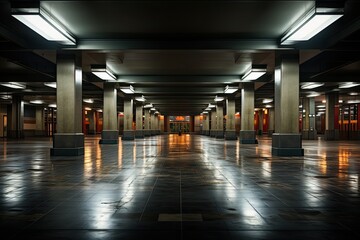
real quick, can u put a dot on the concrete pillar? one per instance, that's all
(16, 118)
(287, 141)
(147, 130)
(39, 120)
(129, 133)
(330, 132)
(162, 123)
(308, 116)
(69, 139)
(139, 133)
(219, 120)
(247, 132)
(152, 123)
(157, 123)
(206, 121)
(230, 133)
(110, 132)
(213, 123)
(271, 121)
(261, 122)
(92, 122)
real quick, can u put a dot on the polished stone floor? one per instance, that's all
(179, 187)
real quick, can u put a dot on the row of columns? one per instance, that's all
(69, 139)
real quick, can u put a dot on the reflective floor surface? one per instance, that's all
(179, 187)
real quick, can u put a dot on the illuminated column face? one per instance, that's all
(247, 106)
(110, 107)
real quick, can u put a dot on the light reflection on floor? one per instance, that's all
(219, 189)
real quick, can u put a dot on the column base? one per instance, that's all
(331, 135)
(219, 134)
(128, 135)
(248, 137)
(287, 144)
(309, 134)
(270, 132)
(147, 133)
(230, 135)
(139, 134)
(212, 133)
(67, 144)
(109, 137)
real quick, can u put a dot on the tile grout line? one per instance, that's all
(147, 201)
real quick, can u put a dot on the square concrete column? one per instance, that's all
(271, 125)
(139, 133)
(92, 122)
(129, 133)
(261, 122)
(16, 118)
(147, 131)
(330, 132)
(157, 124)
(219, 120)
(110, 132)
(69, 139)
(247, 132)
(287, 141)
(206, 121)
(152, 123)
(161, 123)
(39, 120)
(308, 117)
(230, 133)
(213, 123)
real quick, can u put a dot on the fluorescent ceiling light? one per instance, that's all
(140, 99)
(52, 105)
(205, 112)
(89, 100)
(14, 85)
(320, 106)
(42, 23)
(148, 105)
(99, 110)
(87, 109)
(353, 93)
(218, 99)
(349, 85)
(211, 105)
(268, 106)
(37, 101)
(230, 90)
(128, 90)
(267, 100)
(156, 112)
(152, 109)
(50, 84)
(311, 24)
(254, 73)
(353, 101)
(102, 72)
(314, 94)
(207, 109)
(311, 85)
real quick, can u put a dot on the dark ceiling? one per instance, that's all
(179, 54)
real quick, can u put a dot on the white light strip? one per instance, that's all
(218, 99)
(311, 85)
(37, 101)
(88, 100)
(230, 90)
(50, 84)
(148, 105)
(140, 99)
(253, 74)
(14, 85)
(349, 85)
(128, 90)
(103, 74)
(313, 23)
(42, 23)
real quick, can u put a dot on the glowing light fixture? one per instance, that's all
(42, 23)
(349, 85)
(254, 73)
(128, 90)
(14, 85)
(311, 85)
(102, 72)
(211, 105)
(152, 109)
(53, 105)
(148, 105)
(207, 109)
(267, 100)
(316, 20)
(140, 99)
(37, 101)
(88, 100)
(313, 94)
(218, 99)
(50, 84)
(230, 89)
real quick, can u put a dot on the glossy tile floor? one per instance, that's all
(179, 187)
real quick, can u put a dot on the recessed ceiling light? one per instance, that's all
(14, 85)
(311, 85)
(102, 72)
(349, 85)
